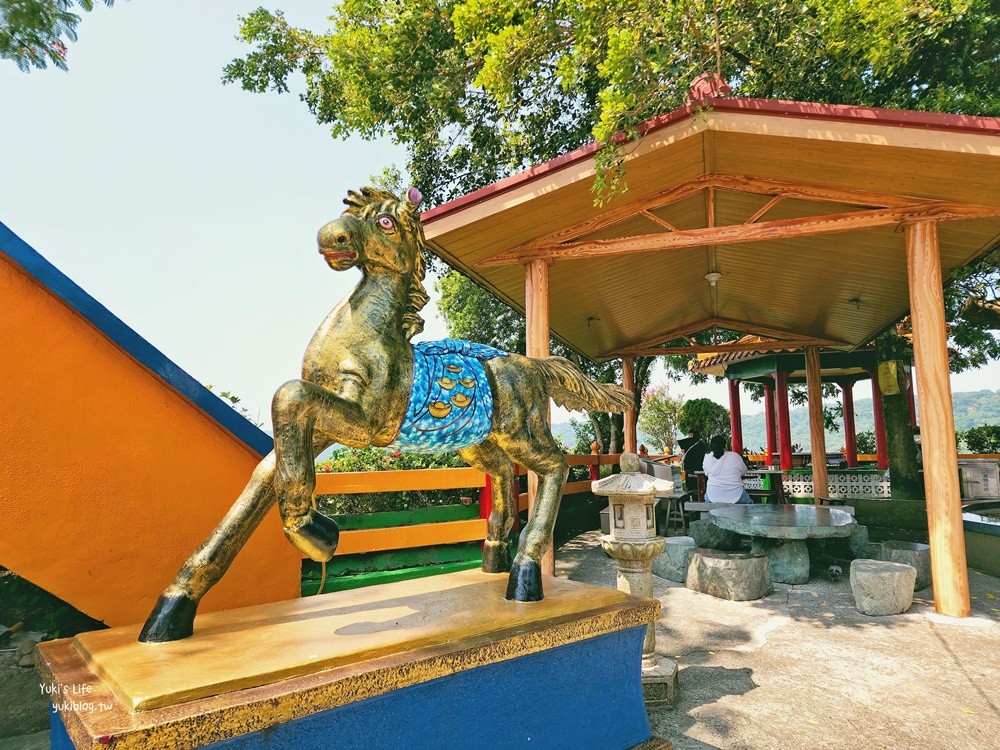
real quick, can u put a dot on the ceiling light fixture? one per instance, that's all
(713, 277)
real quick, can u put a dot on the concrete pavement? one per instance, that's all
(802, 668)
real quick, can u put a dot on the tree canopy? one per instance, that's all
(479, 89)
(36, 33)
(476, 89)
(661, 415)
(706, 418)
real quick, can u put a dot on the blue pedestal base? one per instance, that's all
(581, 696)
(446, 664)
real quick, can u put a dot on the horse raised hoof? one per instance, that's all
(314, 534)
(171, 620)
(496, 557)
(525, 582)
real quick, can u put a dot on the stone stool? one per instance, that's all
(910, 553)
(882, 588)
(857, 542)
(673, 562)
(706, 534)
(736, 576)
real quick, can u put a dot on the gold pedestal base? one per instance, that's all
(249, 669)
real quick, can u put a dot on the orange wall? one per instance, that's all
(109, 478)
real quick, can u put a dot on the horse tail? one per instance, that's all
(572, 389)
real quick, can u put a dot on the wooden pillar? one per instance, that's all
(628, 381)
(850, 437)
(536, 308)
(735, 417)
(784, 425)
(817, 433)
(769, 425)
(881, 439)
(949, 569)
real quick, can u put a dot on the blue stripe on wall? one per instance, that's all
(135, 345)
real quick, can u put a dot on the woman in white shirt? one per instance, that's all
(724, 470)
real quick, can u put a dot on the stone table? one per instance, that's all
(780, 532)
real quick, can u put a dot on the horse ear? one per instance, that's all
(354, 199)
(414, 196)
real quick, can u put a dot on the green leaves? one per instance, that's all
(982, 439)
(33, 33)
(479, 89)
(660, 417)
(705, 417)
(281, 50)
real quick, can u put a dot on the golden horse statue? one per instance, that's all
(363, 383)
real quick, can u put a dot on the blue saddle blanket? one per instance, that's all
(451, 403)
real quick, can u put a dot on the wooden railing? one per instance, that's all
(448, 532)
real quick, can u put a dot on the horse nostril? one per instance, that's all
(342, 238)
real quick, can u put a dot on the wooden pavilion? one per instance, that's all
(775, 367)
(810, 224)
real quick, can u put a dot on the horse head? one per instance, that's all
(378, 233)
(381, 234)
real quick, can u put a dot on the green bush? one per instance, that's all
(23, 601)
(382, 459)
(865, 441)
(983, 439)
(705, 417)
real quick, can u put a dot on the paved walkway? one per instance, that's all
(802, 669)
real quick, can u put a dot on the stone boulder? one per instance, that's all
(788, 559)
(736, 576)
(673, 562)
(709, 536)
(858, 542)
(882, 588)
(910, 553)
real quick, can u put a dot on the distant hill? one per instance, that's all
(564, 434)
(972, 408)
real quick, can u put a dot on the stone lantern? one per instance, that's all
(633, 544)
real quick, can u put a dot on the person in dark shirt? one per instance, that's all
(694, 458)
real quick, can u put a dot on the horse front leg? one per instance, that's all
(295, 410)
(173, 615)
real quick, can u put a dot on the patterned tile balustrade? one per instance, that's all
(842, 486)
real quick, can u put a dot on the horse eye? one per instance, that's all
(386, 223)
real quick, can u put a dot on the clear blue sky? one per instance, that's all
(189, 208)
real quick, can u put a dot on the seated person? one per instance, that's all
(724, 470)
(694, 459)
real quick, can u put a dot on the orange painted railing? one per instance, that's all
(423, 535)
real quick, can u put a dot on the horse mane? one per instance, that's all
(371, 202)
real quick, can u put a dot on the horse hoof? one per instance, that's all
(496, 557)
(314, 534)
(171, 620)
(525, 582)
